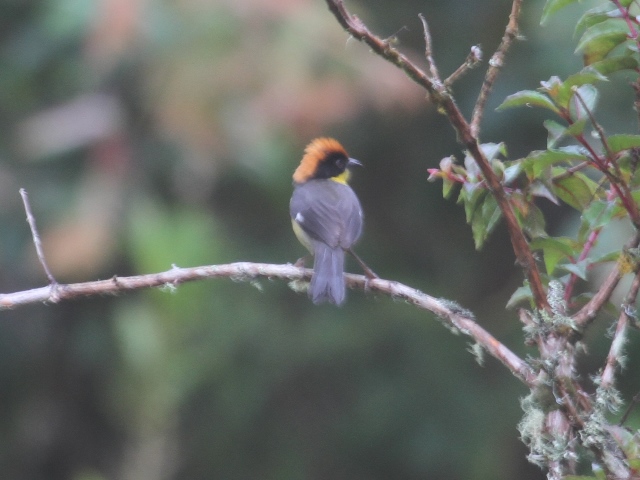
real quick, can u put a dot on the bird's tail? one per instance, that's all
(327, 283)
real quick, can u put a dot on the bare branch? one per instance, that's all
(472, 61)
(616, 351)
(36, 237)
(587, 313)
(358, 30)
(594, 123)
(450, 314)
(428, 52)
(495, 64)
(440, 95)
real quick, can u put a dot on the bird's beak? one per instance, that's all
(353, 161)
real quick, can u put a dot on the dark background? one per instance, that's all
(152, 133)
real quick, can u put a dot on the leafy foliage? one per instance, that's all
(595, 174)
(583, 168)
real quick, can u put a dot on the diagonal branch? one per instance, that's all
(587, 313)
(448, 312)
(31, 220)
(615, 356)
(472, 61)
(495, 64)
(445, 102)
(428, 50)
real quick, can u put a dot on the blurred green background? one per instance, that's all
(150, 133)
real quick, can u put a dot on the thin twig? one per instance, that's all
(495, 64)
(358, 30)
(448, 312)
(634, 402)
(594, 123)
(473, 60)
(586, 249)
(442, 98)
(365, 268)
(36, 237)
(587, 313)
(636, 102)
(570, 171)
(428, 52)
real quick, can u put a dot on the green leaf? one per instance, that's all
(555, 249)
(492, 150)
(614, 64)
(596, 15)
(474, 173)
(576, 190)
(447, 187)
(598, 40)
(551, 87)
(556, 132)
(512, 172)
(586, 76)
(491, 213)
(528, 98)
(540, 188)
(521, 295)
(471, 196)
(479, 230)
(589, 96)
(533, 223)
(485, 220)
(551, 7)
(540, 160)
(599, 213)
(579, 269)
(606, 258)
(577, 127)
(617, 143)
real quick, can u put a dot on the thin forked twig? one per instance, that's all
(473, 60)
(428, 52)
(36, 237)
(495, 64)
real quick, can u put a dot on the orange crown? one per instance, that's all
(316, 152)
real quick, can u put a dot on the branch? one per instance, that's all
(428, 51)
(616, 351)
(451, 315)
(31, 220)
(495, 64)
(472, 61)
(587, 313)
(442, 98)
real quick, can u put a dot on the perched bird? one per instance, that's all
(326, 215)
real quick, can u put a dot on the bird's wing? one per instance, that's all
(327, 211)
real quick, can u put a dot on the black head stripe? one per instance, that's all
(334, 164)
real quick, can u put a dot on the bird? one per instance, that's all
(326, 215)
